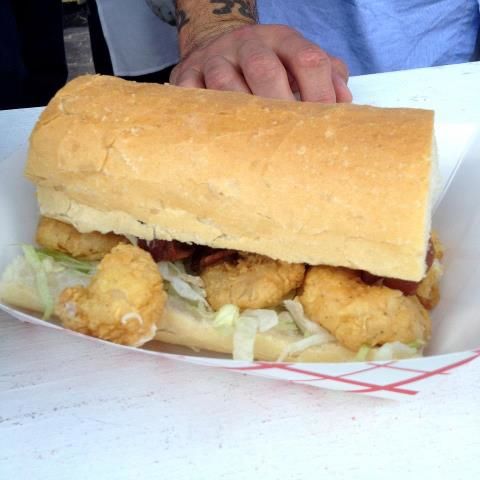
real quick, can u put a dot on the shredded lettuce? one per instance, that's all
(186, 291)
(66, 261)
(362, 353)
(132, 239)
(266, 318)
(390, 351)
(286, 324)
(35, 280)
(187, 287)
(226, 318)
(314, 333)
(245, 327)
(244, 338)
(417, 344)
(295, 308)
(171, 270)
(303, 344)
(41, 280)
(393, 351)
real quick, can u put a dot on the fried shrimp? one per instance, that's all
(123, 302)
(358, 314)
(63, 237)
(253, 281)
(428, 291)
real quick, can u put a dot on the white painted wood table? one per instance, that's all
(72, 409)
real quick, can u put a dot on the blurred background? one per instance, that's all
(44, 43)
(77, 38)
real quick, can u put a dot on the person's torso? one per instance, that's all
(383, 35)
(369, 35)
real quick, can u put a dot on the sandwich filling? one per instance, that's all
(123, 290)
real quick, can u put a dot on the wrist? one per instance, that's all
(201, 21)
(190, 38)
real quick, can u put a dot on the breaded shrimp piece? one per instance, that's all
(253, 281)
(428, 291)
(359, 314)
(63, 237)
(437, 246)
(123, 302)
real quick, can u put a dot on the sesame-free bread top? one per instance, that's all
(342, 185)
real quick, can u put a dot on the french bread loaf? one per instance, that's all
(342, 185)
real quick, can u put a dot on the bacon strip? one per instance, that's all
(202, 257)
(206, 257)
(167, 251)
(171, 251)
(407, 287)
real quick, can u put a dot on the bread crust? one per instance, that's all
(341, 185)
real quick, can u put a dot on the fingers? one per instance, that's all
(269, 61)
(340, 67)
(190, 77)
(311, 67)
(220, 74)
(174, 74)
(342, 92)
(340, 78)
(263, 71)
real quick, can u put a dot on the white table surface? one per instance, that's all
(72, 409)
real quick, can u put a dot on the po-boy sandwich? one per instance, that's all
(230, 223)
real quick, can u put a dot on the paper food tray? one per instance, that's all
(456, 320)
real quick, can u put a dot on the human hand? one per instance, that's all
(272, 61)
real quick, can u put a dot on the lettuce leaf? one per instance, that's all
(188, 287)
(394, 351)
(266, 318)
(244, 338)
(66, 261)
(295, 308)
(226, 318)
(286, 324)
(362, 353)
(41, 280)
(35, 279)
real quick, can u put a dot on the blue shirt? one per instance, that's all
(383, 35)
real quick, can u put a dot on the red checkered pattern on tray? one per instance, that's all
(397, 377)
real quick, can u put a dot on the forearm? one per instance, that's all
(198, 21)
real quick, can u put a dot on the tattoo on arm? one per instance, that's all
(201, 21)
(245, 8)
